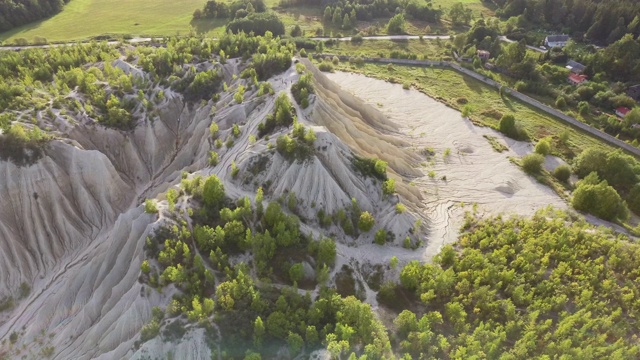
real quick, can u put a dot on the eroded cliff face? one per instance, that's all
(73, 227)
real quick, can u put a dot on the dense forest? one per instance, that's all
(15, 13)
(598, 21)
(545, 288)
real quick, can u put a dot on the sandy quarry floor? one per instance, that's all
(475, 173)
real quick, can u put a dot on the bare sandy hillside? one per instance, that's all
(473, 172)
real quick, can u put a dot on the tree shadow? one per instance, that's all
(474, 84)
(203, 26)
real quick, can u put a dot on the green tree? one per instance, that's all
(258, 332)
(296, 272)
(508, 125)
(366, 221)
(213, 192)
(295, 343)
(381, 237)
(459, 14)
(396, 24)
(600, 200)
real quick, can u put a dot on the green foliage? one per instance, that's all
(366, 221)
(599, 199)
(22, 146)
(150, 206)
(532, 163)
(213, 130)
(234, 170)
(400, 208)
(389, 187)
(543, 147)
(371, 167)
(326, 66)
(509, 284)
(214, 158)
(562, 173)
(213, 192)
(239, 95)
(508, 127)
(381, 237)
(296, 272)
(396, 24)
(283, 115)
(257, 23)
(144, 267)
(302, 89)
(459, 14)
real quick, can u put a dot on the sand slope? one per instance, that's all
(475, 173)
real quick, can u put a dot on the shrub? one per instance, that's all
(508, 127)
(214, 158)
(508, 124)
(213, 129)
(389, 187)
(381, 237)
(400, 208)
(303, 53)
(335, 60)
(150, 206)
(543, 147)
(326, 66)
(562, 173)
(357, 39)
(532, 163)
(561, 103)
(366, 221)
(396, 24)
(234, 169)
(600, 199)
(406, 85)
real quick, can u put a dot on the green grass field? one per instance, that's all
(81, 19)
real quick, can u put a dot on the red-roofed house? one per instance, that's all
(576, 79)
(622, 111)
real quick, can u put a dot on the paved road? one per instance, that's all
(505, 39)
(387, 37)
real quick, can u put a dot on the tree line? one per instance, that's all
(598, 21)
(14, 13)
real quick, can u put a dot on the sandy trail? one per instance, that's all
(475, 173)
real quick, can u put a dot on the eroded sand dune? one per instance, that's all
(475, 173)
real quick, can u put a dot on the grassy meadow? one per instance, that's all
(83, 19)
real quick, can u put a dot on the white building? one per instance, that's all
(552, 41)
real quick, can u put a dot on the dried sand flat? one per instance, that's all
(475, 173)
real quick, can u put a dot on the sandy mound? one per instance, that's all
(472, 173)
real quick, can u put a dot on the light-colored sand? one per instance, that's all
(475, 173)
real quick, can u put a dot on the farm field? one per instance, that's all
(82, 19)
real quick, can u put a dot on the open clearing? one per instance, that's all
(81, 19)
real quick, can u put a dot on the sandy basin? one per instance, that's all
(474, 171)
